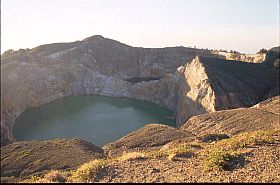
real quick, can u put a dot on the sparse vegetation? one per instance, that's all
(53, 176)
(32, 179)
(216, 159)
(132, 156)
(181, 150)
(225, 154)
(22, 154)
(214, 137)
(12, 52)
(245, 140)
(88, 171)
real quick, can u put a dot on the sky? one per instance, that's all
(241, 25)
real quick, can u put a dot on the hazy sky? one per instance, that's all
(242, 25)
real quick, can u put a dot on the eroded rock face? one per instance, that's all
(100, 66)
(252, 58)
(263, 116)
(273, 57)
(94, 66)
(211, 84)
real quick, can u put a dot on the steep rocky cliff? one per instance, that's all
(100, 66)
(211, 84)
(94, 66)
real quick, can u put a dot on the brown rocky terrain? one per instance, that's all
(247, 157)
(159, 153)
(262, 164)
(150, 137)
(23, 158)
(101, 66)
(263, 116)
(217, 102)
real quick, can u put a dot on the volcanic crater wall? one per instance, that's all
(99, 66)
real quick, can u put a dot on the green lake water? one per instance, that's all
(97, 119)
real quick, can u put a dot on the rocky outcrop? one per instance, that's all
(211, 84)
(149, 137)
(252, 58)
(100, 66)
(263, 116)
(21, 159)
(273, 57)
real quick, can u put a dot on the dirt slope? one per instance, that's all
(23, 158)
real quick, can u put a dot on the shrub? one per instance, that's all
(32, 179)
(216, 159)
(88, 171)
(154, 154)
(179, 151)
(51, 177)
(245, 139)
(55, 176)
(226, 155)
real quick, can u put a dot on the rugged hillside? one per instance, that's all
(273, 57)
(263, 116)
(150, 137)
(101, 66)
(96, 66)
(252, 58)
(211, 84)
(159, 153)
(23, 158)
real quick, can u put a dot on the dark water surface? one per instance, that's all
(97, 119)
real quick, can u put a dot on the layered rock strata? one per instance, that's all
(94, 66)
(100, 66)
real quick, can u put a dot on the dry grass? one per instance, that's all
(132, 156)
(226, 154)
(216, 159)
(53, 176)
(88, 171)
(222, 154)
(245, 140)
(179, 151)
